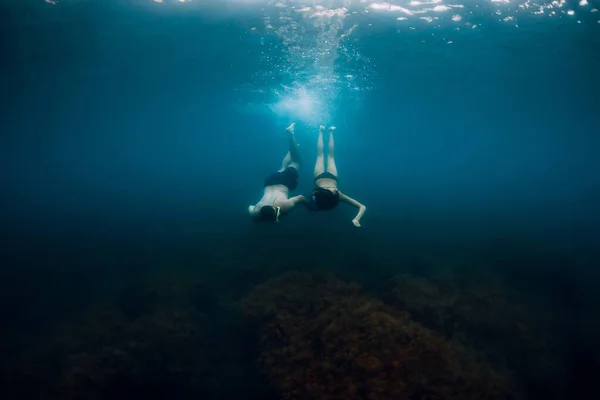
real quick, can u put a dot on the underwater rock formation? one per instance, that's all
(104, 353)
(508, 330)
(321, 338)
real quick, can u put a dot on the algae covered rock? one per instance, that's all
(321, 338)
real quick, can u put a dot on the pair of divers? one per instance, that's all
(276, 203)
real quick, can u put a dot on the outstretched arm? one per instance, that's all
(361, 208)
(292, 202)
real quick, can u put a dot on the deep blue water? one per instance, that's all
(148, 124)
(116, 112)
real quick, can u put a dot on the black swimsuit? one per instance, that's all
(322, 198)
(327, 175)
(288, 178)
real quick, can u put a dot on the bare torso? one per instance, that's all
(327, 183)
(277, 196)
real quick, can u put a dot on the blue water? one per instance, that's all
(125, 110)
(148, 124)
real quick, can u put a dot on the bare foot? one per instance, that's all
(321, 128)
(332, 128)
(291, 127)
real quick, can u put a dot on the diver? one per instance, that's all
(326, 194)
(275, 203)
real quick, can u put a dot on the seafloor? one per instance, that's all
(277, 316)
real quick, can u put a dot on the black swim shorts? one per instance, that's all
(288, 177)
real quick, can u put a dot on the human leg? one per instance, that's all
(331, 167)
(320, 164)
(286, 161)
(294, 151)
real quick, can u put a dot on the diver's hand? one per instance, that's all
(356, 223)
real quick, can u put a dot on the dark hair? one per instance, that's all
(324, 199)
(267, 213)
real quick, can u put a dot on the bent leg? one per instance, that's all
(286, 161)
(331, 167)
(294, 151)
(320, 164)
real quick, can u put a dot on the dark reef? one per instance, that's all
(227, 320)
